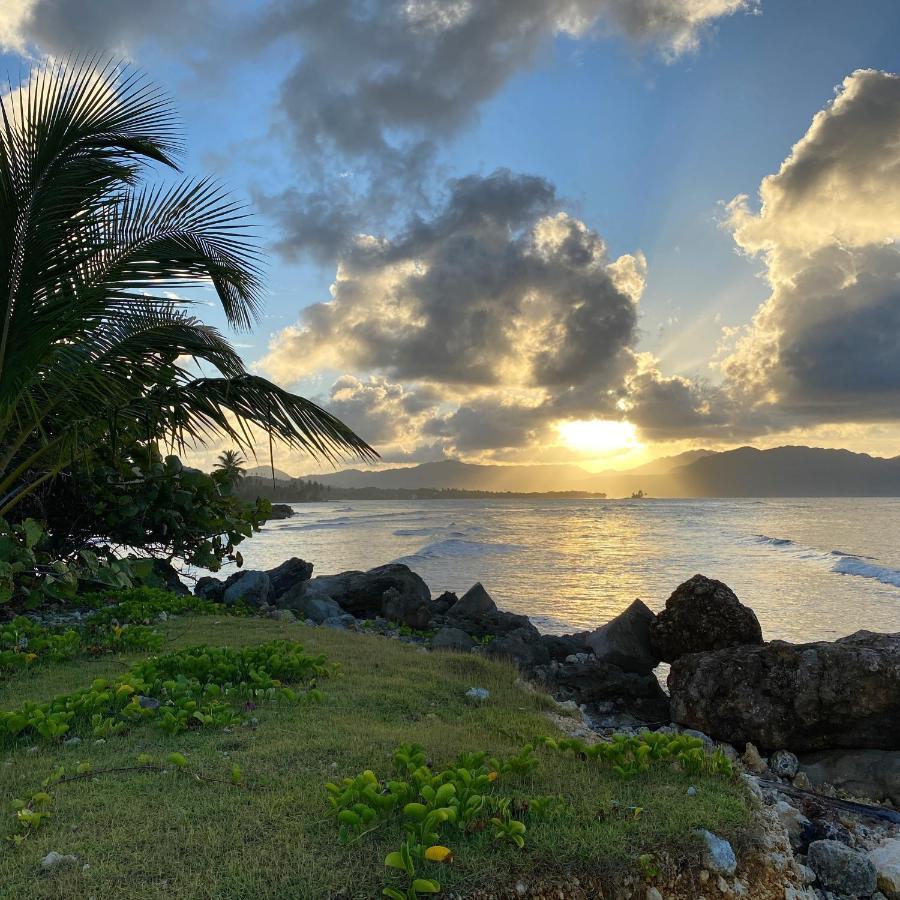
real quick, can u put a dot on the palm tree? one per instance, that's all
(231, 464)
(93, 344)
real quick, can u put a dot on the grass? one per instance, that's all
(152, 834)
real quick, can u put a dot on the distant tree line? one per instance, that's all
(299, 490)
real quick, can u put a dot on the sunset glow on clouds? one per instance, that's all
(470, 260)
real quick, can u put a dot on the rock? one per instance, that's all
(343, 622)
(886, 859)
(360, 593)
(475, 602)
(802, 696)
(861, 773)
(283, 615)
(53, 859)
(407, 608)
(784, 764)
(653, 894)
(253, 587)
(752, 761)
(441, 605)
(168, 574)
(316, 609)
(607, 687)
(452, 639)
(478, 694)
(718, 855)
(279, 511)
(559, 646)
(290, 573)
(702, 615)
(209, 588)
(148, 702)
(522, 645)
(840, 869)
(799, 828)
(625, 640)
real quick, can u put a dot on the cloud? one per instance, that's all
(66, 27)
(377, 86)
(825, 346)
(500, 288)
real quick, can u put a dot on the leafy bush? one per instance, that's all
(191, 688)
(133, 497)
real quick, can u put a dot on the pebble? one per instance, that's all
(478, 693)
(753, 761)
(692, 791)
(54, 859)
(784, 764)
(72, 741)
(718, 855)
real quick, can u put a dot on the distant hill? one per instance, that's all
(745, 472)
(266, 472)
(790, 472)
(450, 473)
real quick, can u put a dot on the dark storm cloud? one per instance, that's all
(498, 289)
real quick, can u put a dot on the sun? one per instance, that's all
(599, 436)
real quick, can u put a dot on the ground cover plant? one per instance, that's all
(153, 829)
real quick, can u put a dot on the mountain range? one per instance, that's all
(744, 472)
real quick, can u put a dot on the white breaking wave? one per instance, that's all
(842, 563)
(853, 565)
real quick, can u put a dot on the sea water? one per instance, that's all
(812, 569)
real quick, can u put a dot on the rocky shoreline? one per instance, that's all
(806, 722)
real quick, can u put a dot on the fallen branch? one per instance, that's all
(860, 809)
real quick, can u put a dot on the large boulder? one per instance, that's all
(407, 608)
(280, 511)
(522, 645)
(861, 773)
(361, 593)
(252, 587)
(702, 614)
(625, 640)
(606, 687)
(842, 870)
(291, 572)
(209, 588)
(475, 602)
(796, 696)
(310, 606)
(452, 639)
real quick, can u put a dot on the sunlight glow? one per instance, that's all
(600, 436)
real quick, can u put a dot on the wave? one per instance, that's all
(413, 532)
(456, 548)
(853, 565)
(842, 562)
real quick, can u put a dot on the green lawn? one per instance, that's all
(153, 834)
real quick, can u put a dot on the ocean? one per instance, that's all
(812, 569)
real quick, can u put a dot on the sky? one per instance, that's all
(591, 231)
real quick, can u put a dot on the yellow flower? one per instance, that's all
(31, 657)
(440, 854)
(492, 776)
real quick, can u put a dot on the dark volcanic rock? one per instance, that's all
(523, 645)
(169, 574)
(441, 605)
(209, 588)
(625, 640)
(796, 696)
(475, 602)
(607, 686)
(252, 587)
(289, 573)
(280, 511)
(702, 614)
(861, 773)
(452, 639)
(408, 608)
(361, 593)
(559, 646)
